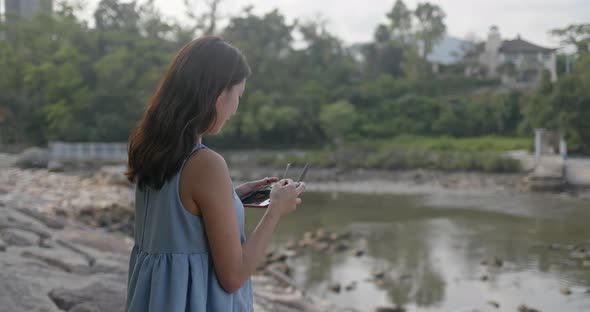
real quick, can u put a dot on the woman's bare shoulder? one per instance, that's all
(206, 164)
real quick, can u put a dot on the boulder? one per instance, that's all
(55, 166)
(390, 309)
(33, 157)
(20, 238)
(94, 298)
(112, 175)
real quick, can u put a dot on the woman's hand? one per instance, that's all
(284, 197)
(252, 186)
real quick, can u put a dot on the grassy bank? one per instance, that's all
(478, 144)
(485, 154)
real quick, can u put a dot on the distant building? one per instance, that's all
(26, 8)
(517, 62)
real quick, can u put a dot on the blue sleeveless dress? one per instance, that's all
(170, 268)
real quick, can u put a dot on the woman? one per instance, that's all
(190, 250)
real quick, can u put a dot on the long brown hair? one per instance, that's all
(182, 109)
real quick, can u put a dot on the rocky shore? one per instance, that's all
(65, 240)
(65, 237)
(51, 264)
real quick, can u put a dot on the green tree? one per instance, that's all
(383, 55)
(431, 26)
(576, 35)
(339, 120)
(563, 107)
(537, 107)
(400, 21)
(64, 80)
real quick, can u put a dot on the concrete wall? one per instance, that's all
(577, 171)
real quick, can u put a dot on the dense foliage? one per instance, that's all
(64, 80)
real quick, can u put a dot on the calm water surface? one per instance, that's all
(432, 246)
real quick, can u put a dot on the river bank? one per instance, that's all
(60, 225)
(370, 181)
(65, 240)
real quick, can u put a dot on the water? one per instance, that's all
(431, 248)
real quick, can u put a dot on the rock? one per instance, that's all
(279, 257)
(112, 215)
(484, 278)
(586, 263)
(566, 291)
(405, 277)
(389, 309)
(89, 259)
(340, 247)
(380, 283)
(55, 165)
(282, 267)
(358, 253)
(320, 234)
(52, 223)
(53, 262)
(493, 261)
(321, 247)
(290, 253)
(33, 157)
(290, 245)
(334, 236)
(578, 255)
(43, 243)
(335, 287)
(112, 243)
(11, 223)
(379, 274)
(111, 175)
(308, 236)
(94, 298)
(345, 235)
(302, 244)
(7, 160)
(350, 286)
(524, 308)
(494, 304)
(78, 256)
(14, 237)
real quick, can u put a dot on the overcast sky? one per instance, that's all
(354, 21)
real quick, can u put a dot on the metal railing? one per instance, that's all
(63, 151)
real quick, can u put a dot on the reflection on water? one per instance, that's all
(431, 248)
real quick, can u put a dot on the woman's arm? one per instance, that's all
(211, 191)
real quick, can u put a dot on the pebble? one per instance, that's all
(335, 287)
